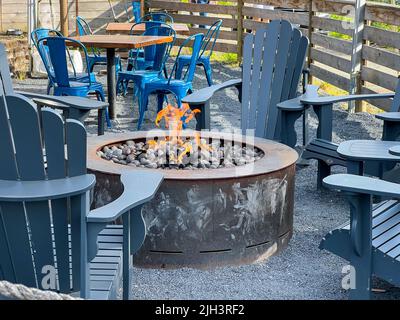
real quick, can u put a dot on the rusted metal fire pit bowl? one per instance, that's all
(207, 218)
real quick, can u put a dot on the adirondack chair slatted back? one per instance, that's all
(273, 60)
(34, 235)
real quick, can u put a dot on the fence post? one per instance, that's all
(310, 31)
(239, 30)
(356, 53)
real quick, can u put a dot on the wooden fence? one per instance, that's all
(366, 63)
(333, 56)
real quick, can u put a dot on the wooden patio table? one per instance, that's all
(110, 43)
(125, 28)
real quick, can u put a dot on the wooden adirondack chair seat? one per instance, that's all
(49, 238)
(371, 240)
(273, 61)
(77, 108)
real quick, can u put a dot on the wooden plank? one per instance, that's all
(328, 24)
(187, 18)
(255, 77)
(223, 34)
(327, 76)
(382, 57)
(382, 37)
(379, 78)
(381, 12)
(53, 133)
(330, 59)
(119, 41)
(296, 18)
(384, 104)
(297, 4)
(192, 7)
(219, 46)
(331, 43)
(329, 6)
(247, 62)
(282, 54)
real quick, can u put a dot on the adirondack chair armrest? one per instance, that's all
(203, 95)
(363, 185)
(328, 100)
(139, 187)
(64, 102)
(296, 103)
(11, 190)
(389, 116)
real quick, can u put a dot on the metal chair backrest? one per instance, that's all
(58, 52)
(211, 38)
(36, 36)
(196, 40)
(273, 61)
(157, 16)
(34, 235)
(159, 53)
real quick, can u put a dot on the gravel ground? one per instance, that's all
(302, 271)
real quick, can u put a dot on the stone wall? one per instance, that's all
(18, 54)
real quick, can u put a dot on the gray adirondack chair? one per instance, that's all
(77, 108)
(371, 239)
(273, 61)
(322, 148)
(49, 238)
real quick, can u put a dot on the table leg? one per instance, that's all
(111, 83)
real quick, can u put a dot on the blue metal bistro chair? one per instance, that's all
(179, 87)
(63, 85)
(49, 237)
(96, 58)
(40, 33)
(204, 60)
(155, 57)
(136, 58)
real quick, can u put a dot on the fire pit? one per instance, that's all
(206, 215)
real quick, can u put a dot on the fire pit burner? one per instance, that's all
(207, 217)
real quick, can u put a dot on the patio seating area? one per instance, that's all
(137, 166)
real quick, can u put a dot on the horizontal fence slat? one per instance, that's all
(296, 4)
(383, 13)
(331, 60)
(192, 7)
(186, 18)
(331, 43)
(379, 78)
(384, 104)
(382, 57)
(328, 24)
(332, 78)
(382, 37)
(296, 18)
(223, 34)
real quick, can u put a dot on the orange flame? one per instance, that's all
(175, 120)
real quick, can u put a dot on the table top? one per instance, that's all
(120, 41)
(368, 150)
(125, 28)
